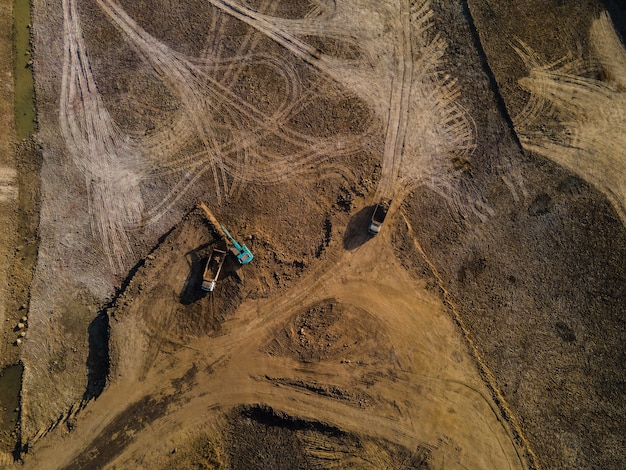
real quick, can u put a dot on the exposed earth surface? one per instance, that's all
(483, 327)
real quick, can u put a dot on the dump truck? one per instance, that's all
(213, 268)
(226, 242)
(378, 216)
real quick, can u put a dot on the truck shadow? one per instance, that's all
(356, 231)
(191, 291)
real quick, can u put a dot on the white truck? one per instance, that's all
(378, 217)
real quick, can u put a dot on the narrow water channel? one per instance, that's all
(25, 115)
(10, 386)
(25, 124)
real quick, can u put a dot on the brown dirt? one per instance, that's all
(8, 191)
(462, 335)
(392, 387)
(319, 333)
(259, 437)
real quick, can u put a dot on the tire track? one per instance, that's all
(111, 165)
(586, 111)
(104, 153)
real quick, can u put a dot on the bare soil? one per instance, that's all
(479, 329)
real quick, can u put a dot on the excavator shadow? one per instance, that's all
(232, 268)
(356, 231)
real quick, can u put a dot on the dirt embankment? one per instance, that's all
(19, 208)
(300, 367)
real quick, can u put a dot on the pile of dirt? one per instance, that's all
(330, 330)
(163, 311)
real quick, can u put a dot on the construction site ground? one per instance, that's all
(482, 328)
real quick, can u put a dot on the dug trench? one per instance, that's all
(274, 439)
(24, 153)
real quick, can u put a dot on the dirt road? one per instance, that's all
(412, 383)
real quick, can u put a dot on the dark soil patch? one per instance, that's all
(98, 359)
(114, 438)
(260, 437)
(617, 10)
(282, 8)
(10, 388)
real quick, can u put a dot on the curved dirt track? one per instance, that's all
(431, 393)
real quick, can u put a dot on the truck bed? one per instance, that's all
(213, 268)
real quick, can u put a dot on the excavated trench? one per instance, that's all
(25, 114)
(10, 386)
(27, 158)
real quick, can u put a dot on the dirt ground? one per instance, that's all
(478, 330)
(305, 366)
(19, 186)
